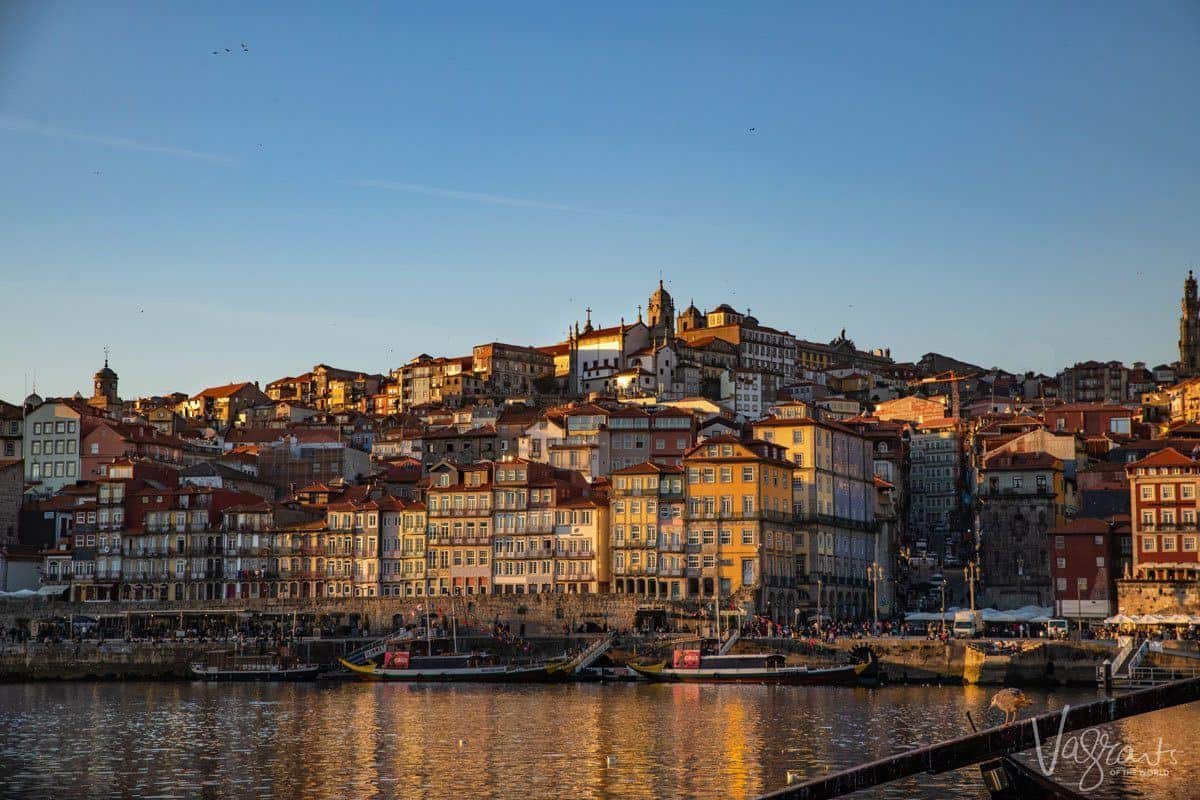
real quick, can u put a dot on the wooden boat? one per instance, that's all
(270, 667)
(1006, 778)
(689, 666)
(466, 668)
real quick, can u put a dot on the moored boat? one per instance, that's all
(689, 666)
(403, 665)
(269, 667)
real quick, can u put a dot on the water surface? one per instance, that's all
(167, 740)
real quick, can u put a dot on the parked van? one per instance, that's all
(968, 624)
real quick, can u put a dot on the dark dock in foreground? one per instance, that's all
(976, 748)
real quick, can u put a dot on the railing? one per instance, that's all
(575, 576)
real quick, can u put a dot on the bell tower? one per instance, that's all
(660, 314)
(1189, 329)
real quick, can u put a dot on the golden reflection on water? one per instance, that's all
(160, 740)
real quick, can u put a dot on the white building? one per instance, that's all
(51, 446)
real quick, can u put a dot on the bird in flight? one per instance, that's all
(753, 130)
(95, 172)
(244, 48)
(227, 50)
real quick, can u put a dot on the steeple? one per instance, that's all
(1189, 328)
(660, 312)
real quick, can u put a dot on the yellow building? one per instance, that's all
(738, 523)
(833, 499)
(402, 538)
(459, 537)
(647, 531)
(581, 557)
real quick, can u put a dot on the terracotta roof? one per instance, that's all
(649, 468)
(1019, 461)
(1167, 457)
(228, 390)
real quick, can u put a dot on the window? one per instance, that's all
(1187, 491)
(1148, 544)
(1099, 562)
(1168, 544)
(1081, 584)
(1189, 544)
(1061, 563)
(1168, 491)
(1147, 492)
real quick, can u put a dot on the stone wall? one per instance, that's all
(1158, 597)
(541, 613)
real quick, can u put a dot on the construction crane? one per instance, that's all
(951, 377)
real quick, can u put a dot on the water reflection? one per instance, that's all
(525, 742)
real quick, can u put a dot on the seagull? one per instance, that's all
(216, 52)
(227, 50)
(244, 48)
(753, 130)
(1010, 701)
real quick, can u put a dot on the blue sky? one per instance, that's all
(1016, 184)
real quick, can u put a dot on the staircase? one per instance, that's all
(370, 650)
(728, 644)
(591, 654)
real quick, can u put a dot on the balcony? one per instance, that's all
(576, 577)
(578, 554)
(462, 512)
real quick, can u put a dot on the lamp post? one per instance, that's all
(875, 575)
(970, 575)
(943, 606)
(818, 605)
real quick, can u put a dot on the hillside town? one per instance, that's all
(675, 455)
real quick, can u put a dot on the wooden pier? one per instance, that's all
(976, 748)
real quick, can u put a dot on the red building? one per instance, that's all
(1087, 558)
(1093, 419)
(1162, 496)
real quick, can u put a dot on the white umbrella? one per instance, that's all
(1177, 619)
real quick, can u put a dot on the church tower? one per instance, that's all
(104, 384)
(661, 314)
(1189, 329)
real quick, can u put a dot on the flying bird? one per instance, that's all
(753, 130)
(216, 52)
(1010, 701)
(227, 50)
(244, 48)
(96, 172)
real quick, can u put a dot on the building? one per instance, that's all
(12, 486)
(648, 531)
(1021, 499)
(301, 456)
(833, 505)
(738, 520)
(582, 554)
(936, 507)
(104, 390)
(1189, 329)
(459, 539)
(403, 558)
(1095, 382)
(221, 404)
(1162, 496)
(1085, 565)
(12, 426)
(51, 442)
(508, 370)
(1091, 419)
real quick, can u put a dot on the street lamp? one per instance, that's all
(875, 575)
(818, 604)
(970, 575)
(943, 606)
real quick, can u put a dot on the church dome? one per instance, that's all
(105, 373)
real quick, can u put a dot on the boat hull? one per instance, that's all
(538, 674)
(785, 676)
(306, 672)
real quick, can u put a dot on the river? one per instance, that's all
(168, 740)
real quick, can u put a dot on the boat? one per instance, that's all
(403, 665)
(1006, 778)
(228, 666)
(689, 666)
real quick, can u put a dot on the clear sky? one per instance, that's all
(1016, 184)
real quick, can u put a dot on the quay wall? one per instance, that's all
(541, 613)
